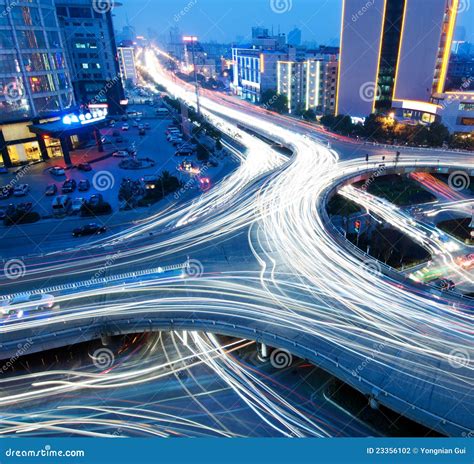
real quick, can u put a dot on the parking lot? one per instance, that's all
(104, 179)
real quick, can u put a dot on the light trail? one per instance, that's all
(304, 283)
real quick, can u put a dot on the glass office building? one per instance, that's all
(35, 83)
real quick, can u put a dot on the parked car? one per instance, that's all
(125, 127)
(121, 154)
(184, 152)
(69, 186)
(51, 190)
(105, 140)
(21, 190)
(89, 229)
(96, 200)
(6, 192)
(24, 208)
(147, 125)
(25, 305)
(84, 185)
(77, 205)
(57, 171)
(61, 205)
(86, 167)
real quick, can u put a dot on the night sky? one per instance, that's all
(224, 20)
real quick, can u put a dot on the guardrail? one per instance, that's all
(385, 268)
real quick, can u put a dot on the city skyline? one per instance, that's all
(217, 21)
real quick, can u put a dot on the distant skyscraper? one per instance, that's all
(294, 37)
(258, 32)
(393, 50)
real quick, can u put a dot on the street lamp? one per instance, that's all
(192, 40)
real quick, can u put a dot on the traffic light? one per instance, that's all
(357, 226)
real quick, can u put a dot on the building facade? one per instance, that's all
(35, 79)
(90, 42)
(309, 84)
(393, 50)
(128, 66)
(255, 70)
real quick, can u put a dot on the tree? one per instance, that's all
(437, 134)
(309, 115)
(274, 101)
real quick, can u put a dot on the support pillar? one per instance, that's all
(263, 354)
(98, 139)
(66, 151)
(4, 152)
(43, 149)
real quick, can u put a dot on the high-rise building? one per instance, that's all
(295, 37)
(128, 66)
(255, 70)
(35, 84)
(90, 41)
(393, 51)
(309, 84)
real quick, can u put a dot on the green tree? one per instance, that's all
(309, 115)
(274, 101)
